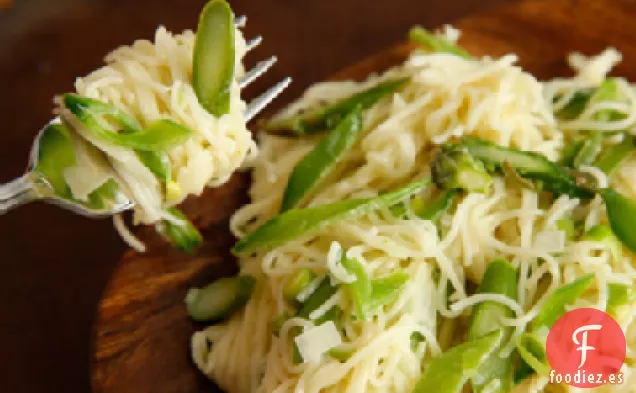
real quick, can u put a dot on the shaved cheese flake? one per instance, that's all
(316, 341)
(550, 241)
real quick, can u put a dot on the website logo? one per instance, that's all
(586, 348)
(583, 344)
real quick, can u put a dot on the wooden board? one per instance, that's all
(141, 334)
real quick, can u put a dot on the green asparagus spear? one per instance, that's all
(614, 156)
(531, 345)
(370, 294)
(97, 117)
(184, 235)
(322, 293)
(456, 168)
(361, 289)
(570, 152)
(500, 278)
(386, 289)
(554, 307)
(220, 298)
(620, 299)
(103, 195)
(297, 282)
(569, 227)
(322, 160)
(434, 210)
(214, 57)
(448, 372)
(592, 146)
(529, 165)
(298, 222)
(56, 153)
(576, 105)
(621, 213)
(328, 117)
(434, 43)
(590, 150)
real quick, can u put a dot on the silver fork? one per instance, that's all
(30, 186)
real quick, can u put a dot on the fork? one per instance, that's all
(31, 187)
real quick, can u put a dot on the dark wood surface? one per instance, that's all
(142, 331)
(54, 265)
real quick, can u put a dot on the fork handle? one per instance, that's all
(15, 187)
(16, 193)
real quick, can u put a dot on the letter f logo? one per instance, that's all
(583, 347)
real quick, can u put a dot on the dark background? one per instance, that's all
(54, 265)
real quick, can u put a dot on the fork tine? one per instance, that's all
(240, 21)
(253, 43)
(258, 70)
(261, 101)
(79, 209)
(122, 207)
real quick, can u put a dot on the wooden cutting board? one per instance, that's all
(142, 332)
